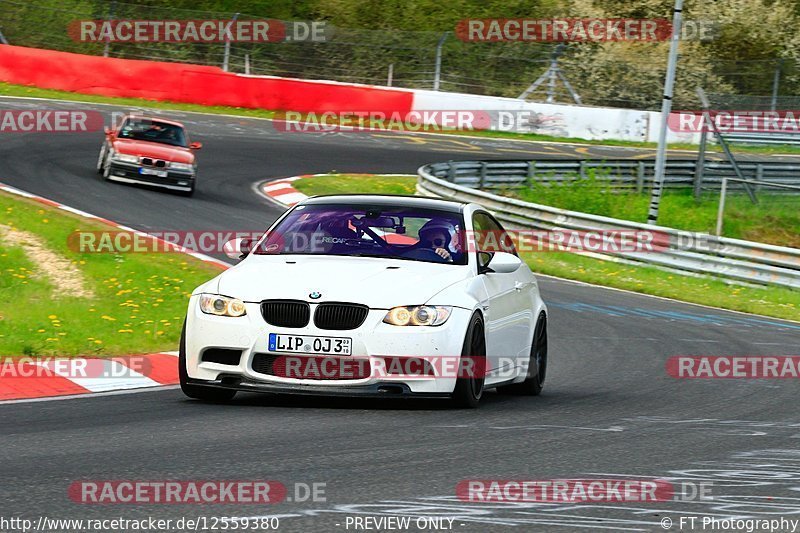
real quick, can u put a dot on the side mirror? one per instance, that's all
(238, 248)
(107, 130)
(195, 146)
(498, 262)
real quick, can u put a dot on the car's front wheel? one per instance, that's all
(469, 389)
(198, 392)
(101, 159)
(190, 192)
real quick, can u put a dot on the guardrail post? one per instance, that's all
(227, 53)
(582, 169)
(107, 45)
(451, 172)
(701, 162)
(531, 173)
(759, 174)
(721, 208)
(438, 68)
(482, 181)
(640, 177)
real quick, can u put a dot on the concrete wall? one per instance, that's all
(582, 122)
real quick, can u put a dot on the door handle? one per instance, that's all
(518, 285)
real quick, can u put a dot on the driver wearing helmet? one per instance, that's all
(436, 236)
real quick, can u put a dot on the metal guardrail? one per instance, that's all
(684, 251)
(758, 137)
(628, 173)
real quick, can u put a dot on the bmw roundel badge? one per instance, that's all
(315, 295)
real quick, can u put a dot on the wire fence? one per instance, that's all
(405, 58)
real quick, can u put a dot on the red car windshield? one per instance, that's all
(153, 131)
(364, 231)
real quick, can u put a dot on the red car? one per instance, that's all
(152, 151)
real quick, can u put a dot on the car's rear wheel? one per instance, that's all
(198, 392)
(537, 365)
(469, 389)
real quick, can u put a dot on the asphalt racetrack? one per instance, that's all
(609, 409)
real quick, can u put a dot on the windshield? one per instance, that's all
(153, 131)
(369, 231)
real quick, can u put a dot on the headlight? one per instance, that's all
(188, 167)
(214, 304)
(418, 315)
(125, 158)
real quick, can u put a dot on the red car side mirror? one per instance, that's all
(107, 130)
(196, 146)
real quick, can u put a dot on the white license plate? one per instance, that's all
(153, 172)
(308, 344)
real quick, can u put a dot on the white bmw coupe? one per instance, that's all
(366, 295)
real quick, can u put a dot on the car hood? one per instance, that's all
(378, 283)
(154, 150)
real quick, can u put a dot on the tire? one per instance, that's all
(533, 384)
(188, 193)
(198, 392)
(106, 170)
(101, 159)
(468, 391)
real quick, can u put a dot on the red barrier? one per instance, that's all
(178, 82)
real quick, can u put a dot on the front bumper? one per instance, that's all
(131, 173)
(375, 390)
(372, 341)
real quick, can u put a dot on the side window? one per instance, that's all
(490, 236)
(126, 128)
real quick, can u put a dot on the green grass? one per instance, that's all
(139, 299)
(768, 301)
(8, 89)
(339, 183)
(775, 219)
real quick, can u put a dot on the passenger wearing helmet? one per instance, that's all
(436, 235)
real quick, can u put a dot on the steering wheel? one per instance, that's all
(424, 254)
